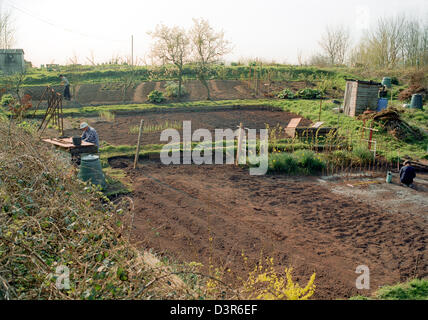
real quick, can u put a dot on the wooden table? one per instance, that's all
(66, 144)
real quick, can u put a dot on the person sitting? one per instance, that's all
(407, 174)
(89, 134)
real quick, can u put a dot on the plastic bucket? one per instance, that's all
(77, 141)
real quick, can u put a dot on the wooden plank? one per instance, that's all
(291, 128)
(318, 124)
(67, 143)
(294, 123)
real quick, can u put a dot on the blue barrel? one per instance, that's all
(387, 82)
(382, 104)
(416, 102)
(90, 170)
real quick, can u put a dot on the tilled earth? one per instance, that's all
(118, 132)
(299, 222)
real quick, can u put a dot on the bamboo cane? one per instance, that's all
(137, 153)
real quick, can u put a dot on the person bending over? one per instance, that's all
(407, 174)
(89, 134)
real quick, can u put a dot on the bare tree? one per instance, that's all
(73, 60)
(208, 48)
(7, 30)
(415, 43)
(335, 44)
(300, 59)
(171, 46)
(319, 60)
(91, 58)
(386, 41)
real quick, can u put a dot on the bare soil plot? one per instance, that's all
(299, 222)
(118, 132)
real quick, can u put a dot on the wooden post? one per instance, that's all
(319, 118)
(238, 151)
(62, 118)
(137, 153)
(398, 162)
(371, 138)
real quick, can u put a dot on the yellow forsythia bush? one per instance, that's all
(264, 283)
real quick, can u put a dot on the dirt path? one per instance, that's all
(298, 222)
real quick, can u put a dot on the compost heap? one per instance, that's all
(391, 120)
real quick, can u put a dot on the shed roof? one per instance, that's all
(365, 82)
(9, 51)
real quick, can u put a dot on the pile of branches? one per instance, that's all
(417, 85)
(391, 120)
(54, 228)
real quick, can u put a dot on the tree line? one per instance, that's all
(392, 42)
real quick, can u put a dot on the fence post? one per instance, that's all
(238, 151)
(137, 153)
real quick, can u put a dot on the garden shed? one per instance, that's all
(360, 96)
(12, 61)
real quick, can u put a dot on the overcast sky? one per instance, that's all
(52, 31)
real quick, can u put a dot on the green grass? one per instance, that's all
(417, 117)
(149, 128)
(107, 115)
(413, 290)
(300, 162)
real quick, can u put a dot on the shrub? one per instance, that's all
(265, 283)
(7, 100)
(340, 157)
(413, 290)
(156, 97)
(172, 90)
(302, 161)
(416, 289)
(395, 81)
(309, 94)
(283, 162)
(286, 94)
(308, 161)
(362, 154)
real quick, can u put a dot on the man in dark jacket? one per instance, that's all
(407, 174)
(67, 95)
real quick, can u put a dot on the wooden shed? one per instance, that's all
(360, 96)
(12, 61)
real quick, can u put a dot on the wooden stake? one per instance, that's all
(319, 117)
(398, 162)
(137, 153)
(238, 151)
